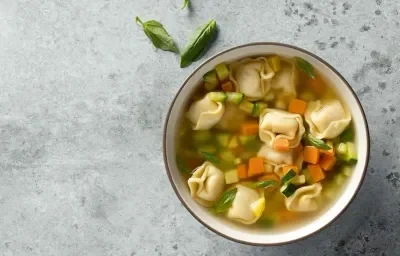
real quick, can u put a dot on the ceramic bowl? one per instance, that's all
(242, 233)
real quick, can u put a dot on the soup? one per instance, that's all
(265, 142)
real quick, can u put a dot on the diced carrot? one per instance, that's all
(227, 86)
(317, 85)
(286, 168)
(299, 149)
(331, 151)
(242, 171)
(316, 172)
(286, 216)
(297, 106)
(269, 176)
(249, 128)
(311, 154)
(281, 144)
(327, 162)
(256, 166)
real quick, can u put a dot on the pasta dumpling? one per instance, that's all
(243, 205)
(274, 161)
(327, 119)
(252, 77)
(206, 184)
(205, 113)
(304, 199)
(286, 79)
(276, 123)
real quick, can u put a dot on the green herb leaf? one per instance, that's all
(210, 157)
(225, 201)
(313, 141)
(198, 43)
(182, 167)
(160, 38)
(347, 135)
(305, 66)
(264, 184)
(185, 4)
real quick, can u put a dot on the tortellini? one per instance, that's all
(252, 77)
(205, 113)
(242, 209)
(286, 79)
(305, 199)
(327, 118)
(207, 184)
(275, 160)
(276, 123)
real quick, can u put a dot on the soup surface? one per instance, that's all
(265, 142)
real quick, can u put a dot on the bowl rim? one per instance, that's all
(266, 44)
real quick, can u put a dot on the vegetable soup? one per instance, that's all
(265, 142)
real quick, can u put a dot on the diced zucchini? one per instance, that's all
(299, 180)
(207, 148)
(217, 96)
(231, 177)
(347, 170)
(246, 106)
(288, 189)
(275, 62)
(288, 176)
(347, 135)
(257, 108)
(351, 153)
(238, 160)
(223, 139)
(222, 72)
(227, 156)
(211, 78)
(347, 152)
(245, 139)
(234, 97)
(308, 176)
(341, 149)
(201, 136)
(233, 143)
(339, 179)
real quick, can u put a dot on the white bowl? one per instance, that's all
(241, 233)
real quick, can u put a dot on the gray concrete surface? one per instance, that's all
(82, 101)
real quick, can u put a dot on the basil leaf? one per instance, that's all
(160, 38)
(347, 135)
(198, 43)
(225, 201)
(210, 157)
(185, 4)
(264, 184)
(305, 66)
(313, 141)
(182, 167)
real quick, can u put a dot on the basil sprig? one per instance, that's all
(198, 43)
(160, 38)
(225, 201)
(313, 141)
(210, 157)
(305, 66)
(264, 184)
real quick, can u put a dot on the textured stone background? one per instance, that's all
(82, 102)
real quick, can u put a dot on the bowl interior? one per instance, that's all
(242, 233)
